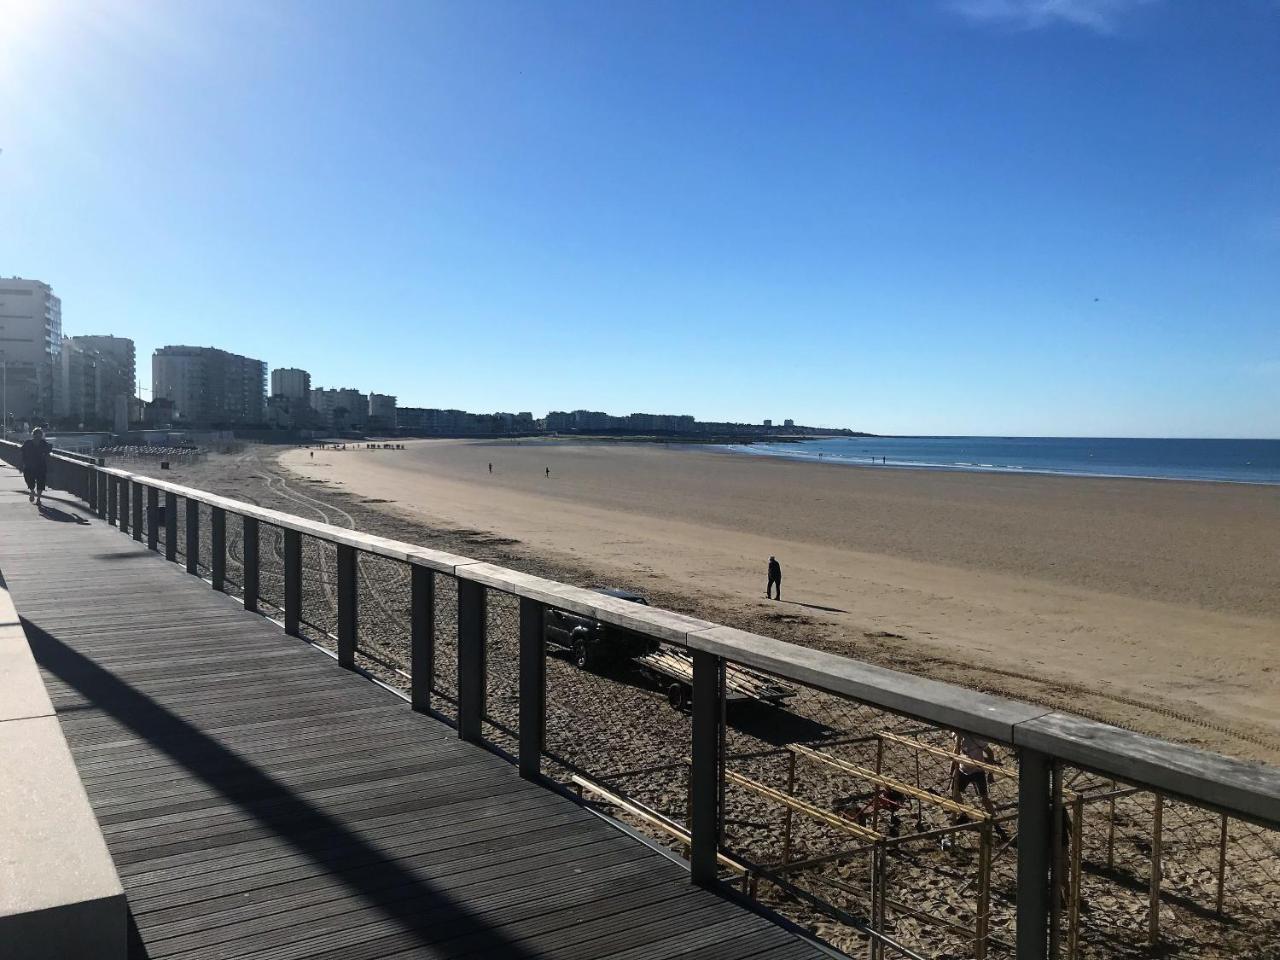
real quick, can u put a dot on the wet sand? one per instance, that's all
(1147, 603)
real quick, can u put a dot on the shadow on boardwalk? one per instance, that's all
(416, 906)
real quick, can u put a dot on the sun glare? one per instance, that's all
(21, 14)
(22, 23)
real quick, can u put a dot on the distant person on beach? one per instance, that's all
(775, 579)
(548, 473)
(491, 468)
(35, 464)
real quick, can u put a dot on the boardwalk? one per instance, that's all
(261, 802)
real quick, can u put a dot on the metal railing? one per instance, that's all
(822, 788)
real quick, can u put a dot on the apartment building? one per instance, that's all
(210, 387)
(30, 350)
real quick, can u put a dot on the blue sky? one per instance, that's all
(944, 216)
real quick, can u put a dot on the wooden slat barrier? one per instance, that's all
(650, 816)
(912, 744)
(1040, 737)
(801, 806)
(946, 803)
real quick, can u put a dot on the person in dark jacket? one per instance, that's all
(775, 579)
(35, 464)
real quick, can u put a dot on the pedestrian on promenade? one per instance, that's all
(35, 464)
(775, 579)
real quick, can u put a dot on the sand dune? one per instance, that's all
(1149, 603)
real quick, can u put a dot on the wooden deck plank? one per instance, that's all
(247, 877)
(261, 802)
(310, 896)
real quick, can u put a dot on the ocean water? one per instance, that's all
(1238, 461)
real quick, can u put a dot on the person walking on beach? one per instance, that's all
(491, 468)
(775, 579)
(35, 464)
(548, 473)
(972, 756)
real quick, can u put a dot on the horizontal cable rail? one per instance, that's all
(823, 788)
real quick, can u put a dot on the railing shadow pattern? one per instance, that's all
(419, 909)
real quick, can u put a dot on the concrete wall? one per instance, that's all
(60, 896)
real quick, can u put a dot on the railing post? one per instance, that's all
(1035, 854)
(122, 504)
(1157, 870)
(347, 586)
(422, 635)
(193, 536)
(218, 548)
(471, 640)
(135, 501)
(1222, 865)
(93, 489)
(153, 516)
(170, 526)
(1058, 864)
(103, 483)
(293, 582)
(704, 773)
(533, 686)
(249, 550)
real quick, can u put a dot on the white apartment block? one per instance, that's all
(119, 350)
(341, 408)
(95, 384)
(30, 349)
(292, 383)
(382, 411)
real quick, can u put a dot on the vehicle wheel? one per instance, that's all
(582, 655)
(676, 696)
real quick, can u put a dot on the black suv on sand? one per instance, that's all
(592, 643)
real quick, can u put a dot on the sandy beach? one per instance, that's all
(1147, 603)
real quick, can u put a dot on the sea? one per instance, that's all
(1233, 461)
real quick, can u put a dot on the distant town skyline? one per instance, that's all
(71, 381)
(92, 377)
(951, 217)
